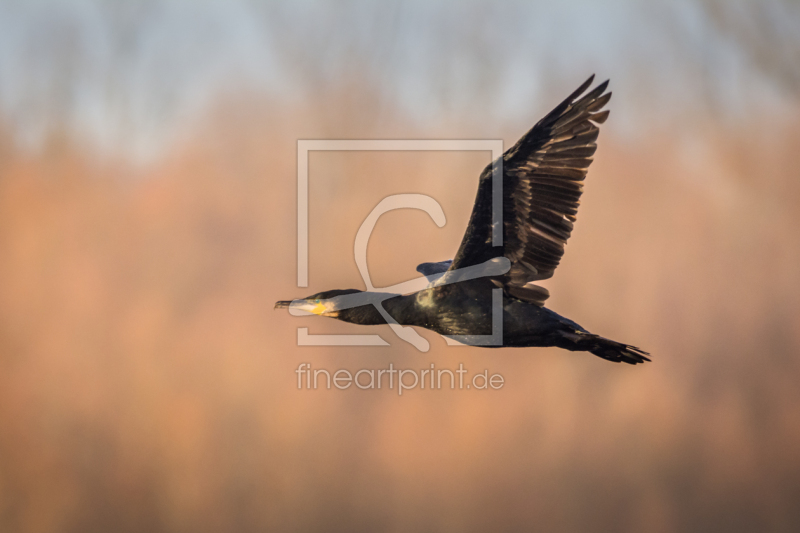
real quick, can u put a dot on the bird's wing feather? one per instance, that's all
(431, 269)
(542, 185)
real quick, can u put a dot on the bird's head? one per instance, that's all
(326, 303)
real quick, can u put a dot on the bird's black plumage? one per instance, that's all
(543, 177)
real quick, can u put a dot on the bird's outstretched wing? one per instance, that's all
(542, 185)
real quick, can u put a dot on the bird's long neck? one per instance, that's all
(401, 308)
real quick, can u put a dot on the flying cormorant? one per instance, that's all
(542, 183)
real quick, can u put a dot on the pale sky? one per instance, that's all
(128, 76)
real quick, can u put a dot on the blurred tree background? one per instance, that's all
(147, 226)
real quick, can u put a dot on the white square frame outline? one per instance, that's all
(304, 146)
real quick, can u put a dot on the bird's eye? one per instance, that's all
(316, 301)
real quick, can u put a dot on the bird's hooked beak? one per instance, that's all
(307, 307)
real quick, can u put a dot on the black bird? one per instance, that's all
(542, 184)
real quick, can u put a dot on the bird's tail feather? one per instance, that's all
(606, 348)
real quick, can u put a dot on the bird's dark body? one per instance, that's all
(466, 309)
(469, 312)
(542, 182)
